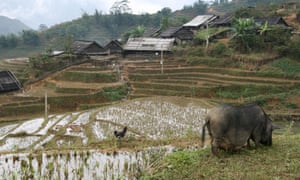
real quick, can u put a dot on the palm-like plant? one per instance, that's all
(138, 31)
(244, 31)
(263, 28)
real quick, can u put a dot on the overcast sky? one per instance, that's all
(51, 12)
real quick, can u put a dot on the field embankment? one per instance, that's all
(275, 86)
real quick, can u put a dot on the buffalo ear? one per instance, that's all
(275, 127)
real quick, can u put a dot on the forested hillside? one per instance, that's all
(120, 24)
(98, 26)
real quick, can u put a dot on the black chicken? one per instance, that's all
(120, 134)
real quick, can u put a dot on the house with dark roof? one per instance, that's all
(223, 21)
(272, 21)
(180, 34)
(114, 47)
(80, 47)
(8, 82)
(152, 32)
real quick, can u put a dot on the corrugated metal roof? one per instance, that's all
(272, 21)
(224, 19)
(151, 32)
(200, 20)
(149, 44)
(80, 46)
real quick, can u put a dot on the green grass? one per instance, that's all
(115, 93)
(237, 91)
(88, 77)
(201, 35)
(288, 67)
(280, 161)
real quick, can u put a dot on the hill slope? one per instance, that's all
(11, 26)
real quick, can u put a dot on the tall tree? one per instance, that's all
(30, 37)
(164, 24)
(68, 44)
(43, 27)
(200, 6)
(12, 40)
(97, 16)
(120, 7)
(3, 42)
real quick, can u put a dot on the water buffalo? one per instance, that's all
(232, 127)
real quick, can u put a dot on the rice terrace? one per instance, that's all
(135, 108)
(81, 143)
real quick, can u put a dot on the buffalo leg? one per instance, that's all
(214, 146)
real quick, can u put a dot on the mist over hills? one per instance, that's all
(11, 26)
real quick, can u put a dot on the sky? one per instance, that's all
(51, 12)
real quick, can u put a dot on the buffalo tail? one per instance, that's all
(203, 133)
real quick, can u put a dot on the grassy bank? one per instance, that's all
(281, 161)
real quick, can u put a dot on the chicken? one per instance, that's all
(120, 134)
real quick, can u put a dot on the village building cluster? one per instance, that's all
(156, 41)
(152, 43)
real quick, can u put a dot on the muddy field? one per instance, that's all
(63, 145)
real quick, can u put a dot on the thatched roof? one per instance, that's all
(8, 82)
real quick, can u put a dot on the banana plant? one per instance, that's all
(244, 31)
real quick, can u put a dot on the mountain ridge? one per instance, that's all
(11, 26)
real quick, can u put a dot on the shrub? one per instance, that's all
(246, 91)
(115, 93)
(294, 49)
(298, 15)
(219, 50)
(288, 67)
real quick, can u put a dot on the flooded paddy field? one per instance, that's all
(88, 164)
(82, 145)
(65, 146)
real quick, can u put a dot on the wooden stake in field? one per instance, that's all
(162, 60)
(46, 107)
(207, 38)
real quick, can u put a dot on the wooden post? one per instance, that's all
(162, 60)
(46, 107)
(207, 37)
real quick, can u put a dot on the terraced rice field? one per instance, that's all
(18, 66)
(171, 111)
(276, 91)
(173, 116)
(89, 85)
(73, 88)
(56, 135)
(146, 78)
